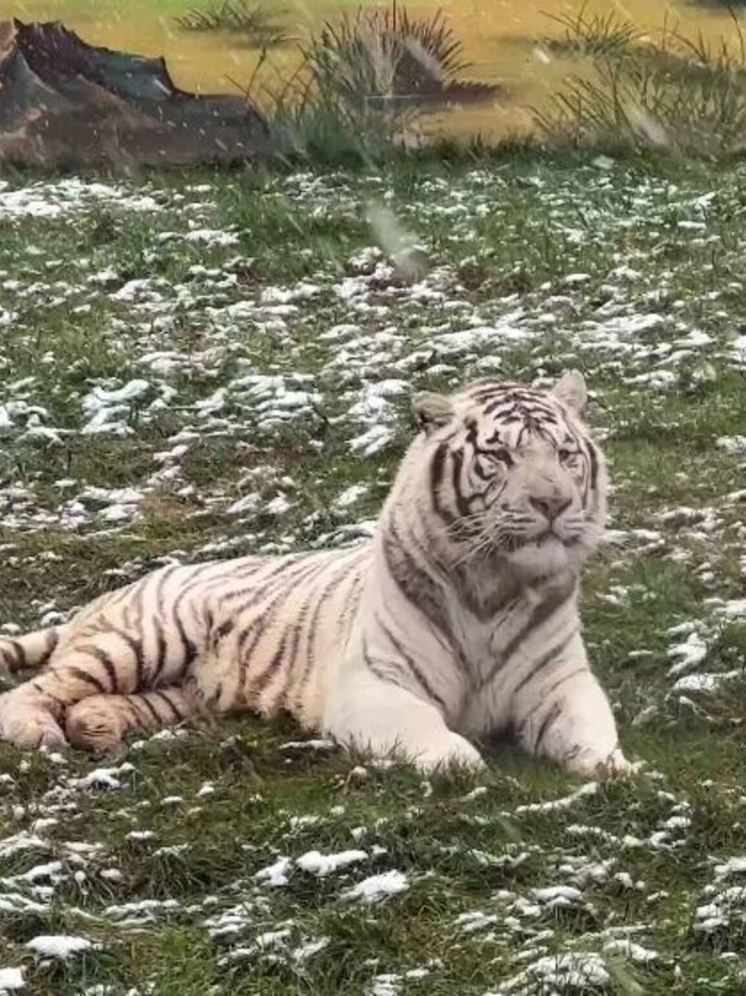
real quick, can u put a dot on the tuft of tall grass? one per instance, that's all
(384, 55)
(592, 34)
(314, 125)
(259, 26)
(683, 95)
(363, 84)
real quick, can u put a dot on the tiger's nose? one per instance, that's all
(551, 506)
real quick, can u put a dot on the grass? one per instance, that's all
(593, 34)
(379, 55)
(364, 84)
(619, 268)
(254, 22)
(683, 94)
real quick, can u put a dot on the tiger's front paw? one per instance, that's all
(453, 751)
(27, 724)
(613, 765)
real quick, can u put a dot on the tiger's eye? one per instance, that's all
(502, 456)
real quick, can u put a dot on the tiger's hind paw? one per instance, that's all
(28, 725)
(95, 724)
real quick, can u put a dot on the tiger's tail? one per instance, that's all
(30, 651)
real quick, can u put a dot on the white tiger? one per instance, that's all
(458, 620)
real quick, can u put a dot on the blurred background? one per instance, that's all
(564, 68)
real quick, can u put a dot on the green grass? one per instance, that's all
(511, 235)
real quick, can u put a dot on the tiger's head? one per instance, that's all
(510, 471)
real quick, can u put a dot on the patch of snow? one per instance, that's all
(565, 802)
(61, 946)
(687, 655)
(212, 237)
(324, 864)
(469, 923)
(557, 896)
(731, 867)
(11, 979)
(317, 744)
(308, 949)
(635, 952)
(705, 682)
(378, 887)
(275, 875)
(563, 973)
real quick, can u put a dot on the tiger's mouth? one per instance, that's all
(547, 536)
(518, 543)
(550, 535)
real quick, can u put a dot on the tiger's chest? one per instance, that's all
(496, 653)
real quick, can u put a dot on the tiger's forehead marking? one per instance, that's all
(492, 397)
(513, 404)
(513, 414)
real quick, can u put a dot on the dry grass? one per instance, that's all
(259, 25)
(683, 95)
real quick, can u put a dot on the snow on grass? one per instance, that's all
(11, 979)
(720, 910)
(322, 865)
(377, 888)
(688, 654)
(705, 682)
(275, 875)
(565, 973)
(470, 923)
(557, 896)
(731, 868)
(636, 953)
(309, 949)
(312, 744)
(104, 778)
(565, 802)
(59, 946)
(141, 913)
(54, 200)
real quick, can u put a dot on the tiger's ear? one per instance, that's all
(432, 410)
(571, 390)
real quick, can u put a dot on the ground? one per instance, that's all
(206, 366)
